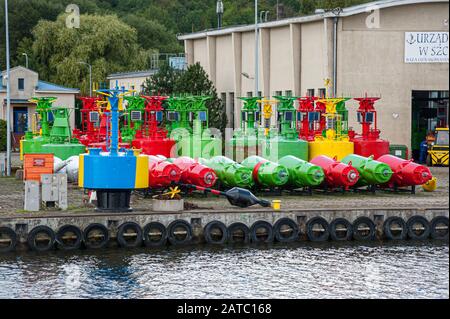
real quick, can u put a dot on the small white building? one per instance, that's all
(25, 84)
(130, 80)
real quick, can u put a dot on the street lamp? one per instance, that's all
(219, 11)
(8, 97)
(26, 59)
(90, 76)
(265, 13)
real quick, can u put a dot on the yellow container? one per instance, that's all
(276, 204)
(331, 148)
(431, 185)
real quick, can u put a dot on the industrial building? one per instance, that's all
(394, 49)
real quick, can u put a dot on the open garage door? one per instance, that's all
(429, 111)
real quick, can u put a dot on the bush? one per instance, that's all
(2, 135)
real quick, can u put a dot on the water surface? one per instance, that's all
(404, 270)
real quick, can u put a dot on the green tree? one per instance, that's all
(153, 35)
(157, 21)
(308, 6)
(23, 16)
(195, 81)
(105, 42)
(163, 82)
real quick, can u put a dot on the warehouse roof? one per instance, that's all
(44, 86)
(135, 74)
(366, 7)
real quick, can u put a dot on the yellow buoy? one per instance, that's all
(431, 185)
(332, 148)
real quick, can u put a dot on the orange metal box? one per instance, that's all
(35, 165)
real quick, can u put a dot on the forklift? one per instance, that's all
(438, 149)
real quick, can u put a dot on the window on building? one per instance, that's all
(249, 94)
(260, 94)
(288, 93)
(278, 93)
(231, 118)
(310, 92)
(21, 84)
(322, 92)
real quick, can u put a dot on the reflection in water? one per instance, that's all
(406, 270)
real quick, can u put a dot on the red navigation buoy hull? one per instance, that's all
(162, 173)
(337, 174)
(195, 173)
(406, 172)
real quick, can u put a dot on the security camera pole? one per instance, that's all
(219, 11)
(8, 97)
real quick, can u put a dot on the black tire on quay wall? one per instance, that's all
(235, 227)
(278, 232)
(32, 236)
(254, 234)
(103, 235)
(173, 237)
(310, 231)
(12, 236)
(61, 242)
(423, 222)
(335, 232)
(209, 237)
(162, 241)
(388, 231)
(360, 236)
(436, 233)
(122, 239)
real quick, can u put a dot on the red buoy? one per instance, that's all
(89, 132)
(368, 143)
(406, 172)
(195, 173)
(337, 174)
(152, 139)
(162, 173)
(308, 119)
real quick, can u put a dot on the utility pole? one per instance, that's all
(256, 50)
(219, 11)
(8, 97)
